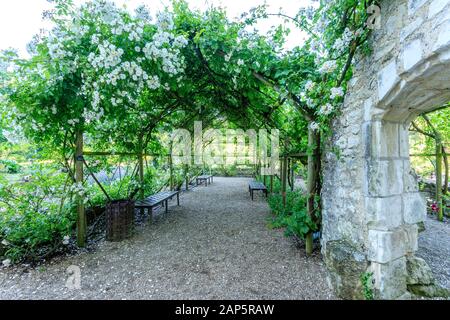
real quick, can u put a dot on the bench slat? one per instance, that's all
(257, 186)
(155, 199)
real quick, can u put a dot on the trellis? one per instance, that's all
(286, 177)
(80, 163)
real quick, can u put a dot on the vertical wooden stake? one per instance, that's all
(271, 184)
(79, 178)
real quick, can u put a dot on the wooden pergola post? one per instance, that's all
(186, 176)
(284, 179)
(171, 170)
(281, 170)
(141, 170)
(292, 175)
(79, 179)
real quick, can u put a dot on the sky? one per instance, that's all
(20, 20)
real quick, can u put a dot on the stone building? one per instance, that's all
(371, 203)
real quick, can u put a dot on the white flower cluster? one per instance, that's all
(314, 126)
(166, 48)
(336, 93)
(164, 21)
(326, 109)
(328, 67)
(309, 85)
(341, 44)
(109, 56)
(78, 189)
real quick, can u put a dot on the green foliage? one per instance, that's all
(423, 139)
(35, 216)
(294, 217)
(226, 171)
(446, 202)
(91, 73)
(10, 166)
(367, 284)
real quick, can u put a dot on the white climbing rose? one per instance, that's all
(336, 92)
(314, 126)
(328, 67)
(326, 109)
(309, 85)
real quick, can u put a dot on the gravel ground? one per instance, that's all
(216, 245)
(434, 248)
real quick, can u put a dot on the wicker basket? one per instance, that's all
(119, 220)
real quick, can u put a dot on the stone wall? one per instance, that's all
(371, 203)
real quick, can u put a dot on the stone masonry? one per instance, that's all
(371, 203)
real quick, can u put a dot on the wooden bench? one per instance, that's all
(257, 186)
(205, 178)
(155, 200)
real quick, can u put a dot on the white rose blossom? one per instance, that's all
(336, 92)
(314, 126)
(309, 85)
(328, 67)
(326, 109)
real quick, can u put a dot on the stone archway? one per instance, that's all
(371, 203)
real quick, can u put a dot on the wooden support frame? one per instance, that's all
(284, 179)
(79, 179)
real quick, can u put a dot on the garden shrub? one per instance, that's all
(226, 171)
(36, 217)
(446, 202)
(10, 166)
(293, 217)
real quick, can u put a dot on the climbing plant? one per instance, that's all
(117, 79)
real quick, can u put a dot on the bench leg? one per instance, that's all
(167, 206)
(251, 192)
(178, 199)
(150, 211)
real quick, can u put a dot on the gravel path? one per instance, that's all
(216, 245)
(434, 248)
